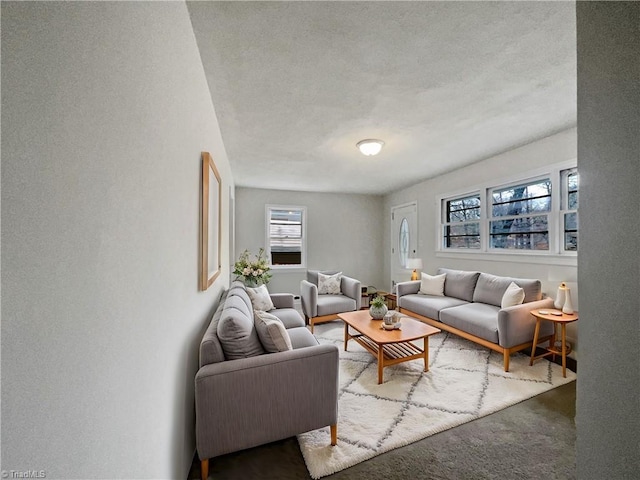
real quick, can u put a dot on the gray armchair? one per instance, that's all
(320, 308)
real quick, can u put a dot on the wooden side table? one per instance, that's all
(562, 320)
(392, 300)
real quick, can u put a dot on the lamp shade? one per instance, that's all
(414, 263)
(370, 146)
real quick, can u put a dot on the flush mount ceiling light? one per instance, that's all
(370, 146)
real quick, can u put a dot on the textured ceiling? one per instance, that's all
(296, 85)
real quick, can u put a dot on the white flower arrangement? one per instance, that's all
(256, 271)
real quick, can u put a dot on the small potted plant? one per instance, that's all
(377, 308)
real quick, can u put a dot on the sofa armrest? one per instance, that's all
(350, 287)
(282, 300)
(516, 325)
(407, 288)
(247, 402)
(309, 298)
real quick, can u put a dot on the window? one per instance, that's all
(403, 242)
(536, 214)
(462, 222)
(569, 209)
(519, 216)
(286, 236)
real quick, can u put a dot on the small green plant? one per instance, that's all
(378, 302)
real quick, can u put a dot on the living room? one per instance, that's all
(106, 110)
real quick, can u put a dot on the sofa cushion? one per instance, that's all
(490, 289)
(301, 337)
(238, 289)
(459, 283)
(210, 347)
(237, 302)
(271, 331)
(513, 295)
(289, 317)
(329, 284)
(479, 319)
(260, 298)
(432, 284)
(428, 305)
(237, 332)
(328, 304)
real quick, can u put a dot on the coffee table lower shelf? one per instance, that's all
(392, 353)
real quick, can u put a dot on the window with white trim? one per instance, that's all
(462, 222)
(286, 241)
(520, 216)
(535, 214)
(569, 209)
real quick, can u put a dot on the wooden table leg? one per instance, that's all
(535, 341)
(552, 342)
(380, 363)
(426, 354)
(346, 335)
(564, 350)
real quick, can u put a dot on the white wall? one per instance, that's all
(343, 233)
(608, 409)
(105, 110)
(557, 148)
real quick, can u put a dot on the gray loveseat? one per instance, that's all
(471, 309)
(260, 397)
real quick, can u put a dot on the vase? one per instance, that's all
(251, 283)
(568, 306)
(377, 313)
(559, 303)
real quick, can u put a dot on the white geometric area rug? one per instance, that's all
(464, 382)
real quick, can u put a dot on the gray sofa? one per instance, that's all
(260, 397)
(471, 308)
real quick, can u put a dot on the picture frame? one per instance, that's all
(210, 223)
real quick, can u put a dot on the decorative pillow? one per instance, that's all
(513, 295)
(329, 284)
(432, 284)
(260, 298)
(271, 331)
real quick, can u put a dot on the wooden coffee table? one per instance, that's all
(388, 346)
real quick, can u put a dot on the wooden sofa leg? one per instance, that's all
(204, 469)
(506, 360)
(334, 434)
(311, 323)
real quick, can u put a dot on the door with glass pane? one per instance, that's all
(404, 240)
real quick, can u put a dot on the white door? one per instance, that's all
(404, 240)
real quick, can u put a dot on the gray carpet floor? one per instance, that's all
(531, 440)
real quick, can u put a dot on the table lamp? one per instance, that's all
(414, 264)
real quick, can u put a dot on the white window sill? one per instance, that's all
(540, 258)
(287, 269)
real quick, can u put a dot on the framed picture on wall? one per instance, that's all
(210, 222)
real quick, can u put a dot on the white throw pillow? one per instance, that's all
(260, 298)
(513, 295)
(273, 336)
(329, 284)
(432, 284)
